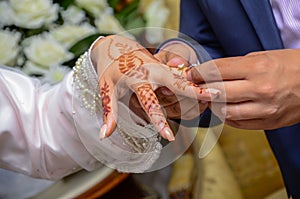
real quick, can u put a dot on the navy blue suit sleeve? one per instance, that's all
(194, 24)
(201, 21)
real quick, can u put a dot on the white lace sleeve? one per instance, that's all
(52, 131)
(133, 147)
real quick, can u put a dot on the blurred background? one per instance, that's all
(240, 166)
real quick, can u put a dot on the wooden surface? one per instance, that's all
(104, 186)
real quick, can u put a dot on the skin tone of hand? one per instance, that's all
(125, 66)
(178, 107)
(262, 89)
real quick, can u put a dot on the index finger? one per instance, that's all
(232, 68)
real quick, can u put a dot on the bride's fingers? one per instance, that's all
(109, 107)
(179, 85)
(175, 80)
(150, 104)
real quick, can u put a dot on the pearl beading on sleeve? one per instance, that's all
(133, 147)
(85, 79)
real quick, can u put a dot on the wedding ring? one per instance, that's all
(181, 68)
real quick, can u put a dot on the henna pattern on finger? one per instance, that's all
(151, 105)
(104, 92)
(181, 82)
(147, 96)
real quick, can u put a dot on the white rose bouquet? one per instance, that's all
(45, 37)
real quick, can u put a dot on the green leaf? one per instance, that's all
(129, 8)
(135, 23)
(135, 20)
(80, 47)
(125, 15)
(113, 3)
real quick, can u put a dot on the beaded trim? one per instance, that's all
(86, 83)
(141, 144)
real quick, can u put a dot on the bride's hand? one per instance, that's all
(174, 54)
(123, 65)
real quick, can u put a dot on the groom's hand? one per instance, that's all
(262, 89)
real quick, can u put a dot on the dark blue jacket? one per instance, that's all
(237, 27)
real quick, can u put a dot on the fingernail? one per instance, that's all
(103, 131)
(213, 91)
(169, 134)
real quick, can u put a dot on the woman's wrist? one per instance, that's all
(92, 52)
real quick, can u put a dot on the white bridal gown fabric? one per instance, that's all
(46, 133)
(34, 119)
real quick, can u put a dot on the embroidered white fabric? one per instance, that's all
(133, 147)
(46, 132)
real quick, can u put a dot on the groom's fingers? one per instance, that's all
(233, 68)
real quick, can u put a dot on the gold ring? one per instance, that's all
(181, 68)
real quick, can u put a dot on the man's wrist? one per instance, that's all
(200, 52)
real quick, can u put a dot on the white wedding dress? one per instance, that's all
(47, 132)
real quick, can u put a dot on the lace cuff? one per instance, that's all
(132, 147)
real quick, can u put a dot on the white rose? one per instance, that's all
(33, 68)
(44, 51)
(9, 48)
(107, 23)
(69, 34)
(33, 13)
(156, 15)
(55, 74)
(92, 6)
(6, 16)
(73, 15)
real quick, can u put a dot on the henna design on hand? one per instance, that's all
(147, 96)
(104, 92)
(129, 63)
(140, 73)
(109, 49)
(181, 82)
(151, 105)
